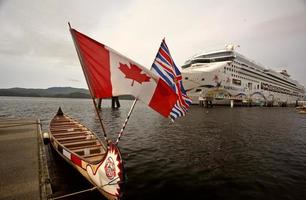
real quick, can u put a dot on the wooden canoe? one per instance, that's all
(82, 148)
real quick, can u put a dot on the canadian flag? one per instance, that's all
(108, 73)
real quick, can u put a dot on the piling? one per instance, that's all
(201, 101)
(115, 102)
(232, 103)
(99, 103)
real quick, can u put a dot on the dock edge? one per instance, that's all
(44, 177)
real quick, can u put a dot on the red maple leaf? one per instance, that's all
(134, 73)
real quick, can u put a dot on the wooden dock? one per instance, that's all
(23, 169)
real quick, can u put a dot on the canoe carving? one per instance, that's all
(98, 162)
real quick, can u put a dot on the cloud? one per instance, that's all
(34, 34)
(74, 80)
(35, 39)
(285, 26)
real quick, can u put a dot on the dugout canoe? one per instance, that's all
(100, 163)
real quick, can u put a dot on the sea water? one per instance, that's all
(216, 153)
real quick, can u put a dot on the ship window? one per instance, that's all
(236, 81)
(186, 78)
(203, 79)
(198, 90)
(250, 86)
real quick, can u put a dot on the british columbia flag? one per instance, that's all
(165, 67)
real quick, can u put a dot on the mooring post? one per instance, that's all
(210, 104)
(115, 102)
(99, 103)
(201, 101)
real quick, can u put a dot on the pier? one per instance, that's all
(211, 100)
(24, 172)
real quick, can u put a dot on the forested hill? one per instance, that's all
(57, 92)
(65, 92)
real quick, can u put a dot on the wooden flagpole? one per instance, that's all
(126, 121)
(76, 45)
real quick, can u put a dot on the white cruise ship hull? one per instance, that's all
(236, 78)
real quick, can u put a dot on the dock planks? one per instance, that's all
(20, 159)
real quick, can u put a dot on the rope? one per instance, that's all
(87, 190)
(75, 193)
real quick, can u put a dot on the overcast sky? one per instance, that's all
(36, 49)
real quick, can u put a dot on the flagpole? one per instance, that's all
(126, 121)
(76, 45)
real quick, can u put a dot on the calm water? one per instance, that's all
(218, 153)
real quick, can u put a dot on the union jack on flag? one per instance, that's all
(165, 67)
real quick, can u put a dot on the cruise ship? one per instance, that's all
(226, 76)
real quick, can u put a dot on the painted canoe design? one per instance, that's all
(99, 163)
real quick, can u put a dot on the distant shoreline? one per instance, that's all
(53, 92)
(53, 97)
(64, 97)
